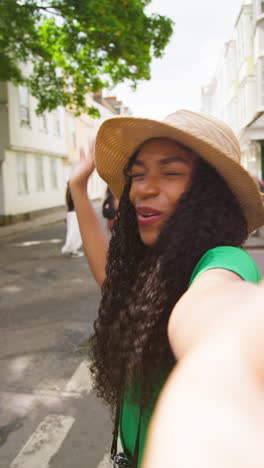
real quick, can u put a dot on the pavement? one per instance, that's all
(49, 414)
(11, 230)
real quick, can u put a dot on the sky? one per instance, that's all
(201, 29)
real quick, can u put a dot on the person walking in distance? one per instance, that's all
(73, 240)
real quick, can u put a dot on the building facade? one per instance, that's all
(39, 153)
(236, 92)
(80, 133)
(32, 153)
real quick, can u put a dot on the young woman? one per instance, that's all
(175, 264)
(109, 208)
(73, 240)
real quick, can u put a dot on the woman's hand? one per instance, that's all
(83, 169)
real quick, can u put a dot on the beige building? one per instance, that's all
(80, 133)
(236, 92)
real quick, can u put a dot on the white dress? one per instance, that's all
(73, 237)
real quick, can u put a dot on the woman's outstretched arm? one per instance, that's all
(95, 241)
(210, 413)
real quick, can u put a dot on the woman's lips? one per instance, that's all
(147, 215)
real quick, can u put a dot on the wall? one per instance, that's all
(34, 200)
(35, 141)
(34, 137)
(84, 129)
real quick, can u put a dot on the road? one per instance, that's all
(48, 305)
(49, 414)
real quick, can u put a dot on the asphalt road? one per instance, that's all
(49, 416)
(48, 305)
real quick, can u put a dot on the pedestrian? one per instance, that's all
(73, 240)
(175, 264)
(109, 208)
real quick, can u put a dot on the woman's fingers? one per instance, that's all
(82, 154)
(92, 149)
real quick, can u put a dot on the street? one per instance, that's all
(50, 417)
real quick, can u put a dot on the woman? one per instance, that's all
(186, 207)
(109, 208)
(73, 240)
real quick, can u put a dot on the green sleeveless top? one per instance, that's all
(229, 258)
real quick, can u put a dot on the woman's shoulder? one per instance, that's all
(230, 258)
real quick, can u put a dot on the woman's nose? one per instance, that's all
(149, 186)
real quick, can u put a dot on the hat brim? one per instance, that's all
(118, 138)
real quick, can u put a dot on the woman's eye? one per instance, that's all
(172, 173)
(135, 176)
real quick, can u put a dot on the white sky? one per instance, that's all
(200, 31)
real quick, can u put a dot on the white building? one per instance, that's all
(32, 151)
(39, 153)
(236, 92)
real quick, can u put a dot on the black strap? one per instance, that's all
(115, 437)
(115, 432)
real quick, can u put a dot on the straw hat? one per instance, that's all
(119, 137)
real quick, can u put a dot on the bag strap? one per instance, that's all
(115, 437)
(115, 432)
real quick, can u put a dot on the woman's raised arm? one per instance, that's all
(95, 241)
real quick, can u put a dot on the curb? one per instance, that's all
(13, 230)
(252, 247)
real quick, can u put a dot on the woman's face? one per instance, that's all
(160, 174)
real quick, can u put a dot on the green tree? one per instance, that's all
(76, 46)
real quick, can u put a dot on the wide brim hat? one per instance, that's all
(120, 137)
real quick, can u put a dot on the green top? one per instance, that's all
(228, 258)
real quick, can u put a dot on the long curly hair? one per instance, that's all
(142, 284)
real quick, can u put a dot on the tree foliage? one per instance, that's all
(76, 46)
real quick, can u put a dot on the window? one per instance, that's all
(261, 35)
(53, 174)
(262, 82)
(22, 176)
(56, 122)
(43, 124)
(24, 111)
(242, 105)
(72, 131)
(39, 174)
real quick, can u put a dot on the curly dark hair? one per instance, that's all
(143, 283)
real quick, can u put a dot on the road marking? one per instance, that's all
(51, 432)
(81, 381)
(44, 442)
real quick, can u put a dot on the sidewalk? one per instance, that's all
(12, 230)
(253, 242)
(25, 226)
